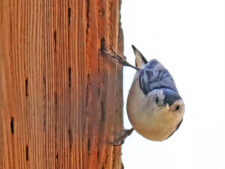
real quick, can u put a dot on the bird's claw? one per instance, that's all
(123, 135)
(120, 59)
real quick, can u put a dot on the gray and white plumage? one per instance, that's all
(154, 106)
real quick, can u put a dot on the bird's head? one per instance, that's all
(166, 99)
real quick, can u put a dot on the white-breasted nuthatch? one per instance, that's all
(154, 106)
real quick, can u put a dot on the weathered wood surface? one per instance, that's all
(60, 97)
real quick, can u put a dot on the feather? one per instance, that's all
(140, 60)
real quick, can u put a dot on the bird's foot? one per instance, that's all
(122, 136)
(120, 59)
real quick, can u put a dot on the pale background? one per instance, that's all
(188, 37)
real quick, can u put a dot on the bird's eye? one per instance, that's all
(157, 100)
(177, 108)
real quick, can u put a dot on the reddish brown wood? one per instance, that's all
(60, 97)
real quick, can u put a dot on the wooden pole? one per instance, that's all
(60, 96)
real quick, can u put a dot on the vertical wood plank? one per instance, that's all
(60, 96)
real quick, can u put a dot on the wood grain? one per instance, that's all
(60, 96)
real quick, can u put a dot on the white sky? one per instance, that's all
(188, 37)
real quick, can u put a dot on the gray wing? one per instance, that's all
(155, 76)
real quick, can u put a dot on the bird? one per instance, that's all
(154, 106)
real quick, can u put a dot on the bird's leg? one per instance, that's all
(123, 135)
(120, 59)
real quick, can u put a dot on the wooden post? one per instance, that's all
(60, 96)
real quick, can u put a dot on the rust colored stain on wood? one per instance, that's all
(60, 96)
